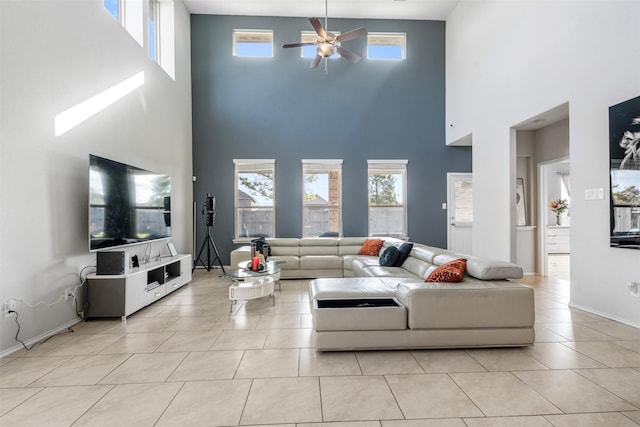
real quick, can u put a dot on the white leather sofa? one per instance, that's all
(350, 297)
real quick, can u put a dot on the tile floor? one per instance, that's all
(186, 361)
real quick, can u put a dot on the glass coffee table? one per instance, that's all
(248, 284)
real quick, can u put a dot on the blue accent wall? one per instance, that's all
(277, 108)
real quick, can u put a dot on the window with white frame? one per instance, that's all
(387, 197)
(115, 9)
(386, 46)
(253, 43)
(159, 42)
(153, 30)
(312, 51)
(321, 198)
(255, 198)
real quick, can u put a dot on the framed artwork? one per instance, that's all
(172, 249)
(521, 206)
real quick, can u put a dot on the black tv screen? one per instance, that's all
(127, 205)
(624, 156)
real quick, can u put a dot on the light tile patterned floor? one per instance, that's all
(187, 361)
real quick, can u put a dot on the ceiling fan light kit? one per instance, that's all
(328, 43)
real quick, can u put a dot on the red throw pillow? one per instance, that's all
(453, 271)
(371, 247)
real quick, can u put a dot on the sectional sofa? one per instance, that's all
(358, 304)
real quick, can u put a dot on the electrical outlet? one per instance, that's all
(634, 289)
(8, 306)
(68, 293)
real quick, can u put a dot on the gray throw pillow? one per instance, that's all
(389, 256)
(403, 253)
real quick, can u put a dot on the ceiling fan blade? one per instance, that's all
(315, 22)
(347, 54)
(316, 62)
(353, 34)
(298, 44)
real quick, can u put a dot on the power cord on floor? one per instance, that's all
(78, 313)
(15, 319)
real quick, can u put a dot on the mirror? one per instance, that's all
(624, 157)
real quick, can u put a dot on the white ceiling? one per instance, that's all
(437, 10)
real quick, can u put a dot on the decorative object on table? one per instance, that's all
(521, 206)
(558, 206)
(261, 244)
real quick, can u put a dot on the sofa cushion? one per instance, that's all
(453, 271)
(284, 246)
(483, 268)
(319, 250)
(426, 253)
(290, 262)
(351, 287)
(417, 267)
(371, 247)
(389, 256)
(403, 253)
(362, 261)
(318, 241)
(379, 271)
(350, 245)
(318, 262)
(470, 304)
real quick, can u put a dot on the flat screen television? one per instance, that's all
(127, 205)
(624, 157)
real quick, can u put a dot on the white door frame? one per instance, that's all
(451, 176)
(543, 253)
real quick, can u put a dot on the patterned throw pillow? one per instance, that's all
(453, 271)
(404, 251)
(371, 247)
(389, 256)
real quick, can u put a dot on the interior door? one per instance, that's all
(459, 212)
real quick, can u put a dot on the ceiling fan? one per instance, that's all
(328, 43)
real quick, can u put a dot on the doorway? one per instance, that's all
(541, 147)
(554, 183)
(459, 212)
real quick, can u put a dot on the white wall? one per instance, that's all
(56, 54)
(510, 61)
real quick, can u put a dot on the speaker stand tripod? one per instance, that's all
(210, 244)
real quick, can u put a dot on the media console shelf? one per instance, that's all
(123, 295)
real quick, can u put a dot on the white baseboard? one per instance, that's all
(40, 337)
(605, 315)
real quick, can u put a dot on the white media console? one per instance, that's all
(124, 294)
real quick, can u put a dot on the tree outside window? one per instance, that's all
(322, 198)
(255, 190)
(387, 210)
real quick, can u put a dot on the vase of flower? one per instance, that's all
(558, 206)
